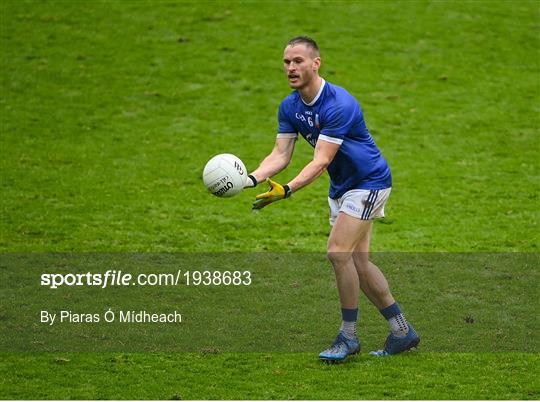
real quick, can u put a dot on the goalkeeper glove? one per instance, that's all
(275, 193)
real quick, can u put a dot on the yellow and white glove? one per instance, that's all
(275, 193)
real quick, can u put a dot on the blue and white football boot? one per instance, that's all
(340, 349)
(395, 345)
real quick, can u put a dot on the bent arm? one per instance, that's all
(324, 154)
(278, 159)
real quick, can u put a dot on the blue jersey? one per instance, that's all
(335, 116)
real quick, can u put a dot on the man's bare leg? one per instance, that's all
(346, 233)
(375, 286)
(344, 237)
(372, 281)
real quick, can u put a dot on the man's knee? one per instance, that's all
(338, 256)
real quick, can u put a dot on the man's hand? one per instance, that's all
(251, 181)
(275, 193)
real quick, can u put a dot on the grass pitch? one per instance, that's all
(271, 376)
(109, 111)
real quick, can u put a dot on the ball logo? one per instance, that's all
(226, 187)
(221, 186)
(238, 167)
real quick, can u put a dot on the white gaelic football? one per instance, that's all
(225, 175)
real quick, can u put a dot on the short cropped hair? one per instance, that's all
(308, 42)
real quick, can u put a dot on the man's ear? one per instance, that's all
(316, 63)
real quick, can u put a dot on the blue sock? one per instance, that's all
(398, 324)
(349, 317)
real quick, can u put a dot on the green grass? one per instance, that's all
(270, 376)
(109, 111)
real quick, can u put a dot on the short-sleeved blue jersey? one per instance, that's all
(335, 116)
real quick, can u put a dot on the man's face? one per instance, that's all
(300, 65)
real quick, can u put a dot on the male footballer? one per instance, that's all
(331, 120)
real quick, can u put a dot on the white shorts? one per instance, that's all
(361, 204)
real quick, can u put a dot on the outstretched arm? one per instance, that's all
(324, 154)
(275, 162)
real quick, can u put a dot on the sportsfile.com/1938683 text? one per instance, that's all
(119, 278)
